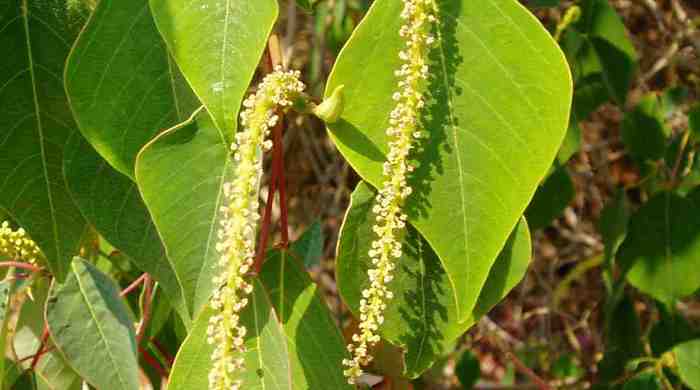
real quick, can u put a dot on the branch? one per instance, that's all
(19, 264)
(133, 285)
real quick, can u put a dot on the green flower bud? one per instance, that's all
(331, 108)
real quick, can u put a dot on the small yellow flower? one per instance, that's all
(16, 245)
(404, 130)
(236, 234)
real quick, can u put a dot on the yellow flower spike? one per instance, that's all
(420, 16)
(236, 244)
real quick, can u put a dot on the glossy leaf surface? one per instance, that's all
(36, 122)
(122, 84)
(495, 123)
(228, 38)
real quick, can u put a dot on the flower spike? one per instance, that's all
(404, 130)
(239, 223)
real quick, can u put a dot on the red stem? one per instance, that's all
(523, 369)
(147, 297)
(42, 347)
(278, 152)
(133, 285)
(19, 264)
(153, 362)
(163, 351)
(267, 216)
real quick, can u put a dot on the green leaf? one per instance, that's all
(643, 130)
(93, 328)
(571, 144)
(694, 120)
(312, 346)
(52, 368)
(488, 148)
(181, 175)
(671, 329)
(603, 49)
(613, 225)
(551, 199)
(266, 359)
(122, 84)
(623, 340)
(662, 247)
(643, 381)
(113, 205)
(10, 374)
(688, 360)
(217, 46)
(310, 245)
(422, 318)
(468, 370)
(36, 121)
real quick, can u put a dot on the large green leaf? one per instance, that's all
(181, 174)
(52, 367)
(218, 45)
(688, 360)
(316, 347)
(122, 84)
(35, 121)
(495, 120)
(422, 318)
(113, 205)
(662, 247)
(93, 328)
(266, 361)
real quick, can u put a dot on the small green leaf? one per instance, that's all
(93, 328)
(122, 84)
(218, 46)
(643, 381)
(468, 370)
(310, 245)
(289, 327)
(613, 225)
(488, 150)
(181, 175)
(52, 368)
(266, 359)
(623, 340)
(36, 122)
(422, 318)
(688, 360)
(643, 131)
(662, 247)
(551, 199)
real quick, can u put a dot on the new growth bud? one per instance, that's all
(332, 107)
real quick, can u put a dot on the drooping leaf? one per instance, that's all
(290, 311)
(217, 45)
(662, 247)
(52, 367)
(643, 131)
(422, 318)
(602, 48)
(495, 123)
(113, 205)
(551, 198)
(93, 328)
(122, 84)
(266, 360)
(36, 122)
(181, 175)
(688, 360)
(316, 347)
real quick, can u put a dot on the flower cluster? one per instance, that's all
(239, 221)
(404, 128)
(15, 245)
